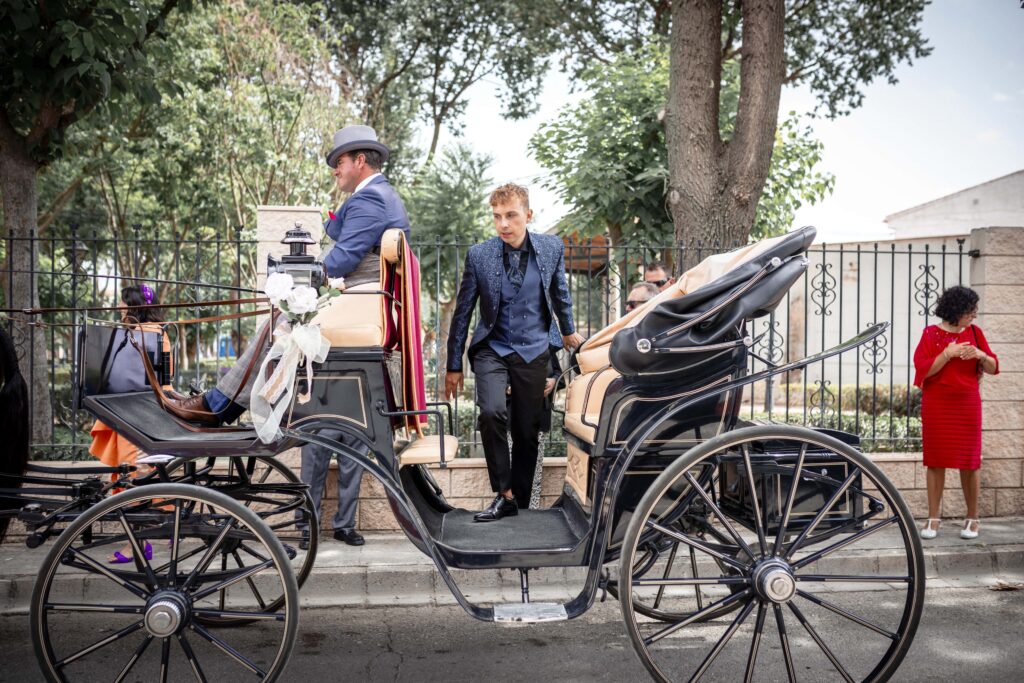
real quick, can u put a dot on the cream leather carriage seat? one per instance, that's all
(356, 320)
(586, 392)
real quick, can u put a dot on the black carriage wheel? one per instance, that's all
(790, 500)
(663, 557)
(253, 480)
(176, 532)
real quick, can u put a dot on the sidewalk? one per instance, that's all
(389, 570)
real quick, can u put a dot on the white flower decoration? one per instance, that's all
(279, 286)
(302, 300)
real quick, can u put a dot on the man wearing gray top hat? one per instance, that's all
(372, 207)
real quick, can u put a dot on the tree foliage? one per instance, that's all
(408, 62)
(607, 157)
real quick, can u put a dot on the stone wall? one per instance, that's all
(997, 274)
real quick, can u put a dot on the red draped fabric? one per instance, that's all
(407, 336)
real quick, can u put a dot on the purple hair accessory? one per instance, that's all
(147, 293)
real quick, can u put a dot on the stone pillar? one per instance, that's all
(997, 274)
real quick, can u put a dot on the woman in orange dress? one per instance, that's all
(949, 362)
(108, 446)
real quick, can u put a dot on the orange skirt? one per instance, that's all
(110, 448)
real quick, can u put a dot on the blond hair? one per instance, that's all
(510, 191)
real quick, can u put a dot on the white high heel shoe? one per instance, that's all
(970, 529)
(928, 531)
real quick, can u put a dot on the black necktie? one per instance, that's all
(515, 275)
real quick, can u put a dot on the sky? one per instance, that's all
(953, 120)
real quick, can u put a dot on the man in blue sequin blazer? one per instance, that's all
(525, 312)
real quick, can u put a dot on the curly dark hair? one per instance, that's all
(955, 303)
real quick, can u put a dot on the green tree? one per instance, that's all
(716, 181)
(448, 206)
(408, 62)
(59, 62)
(607, 157)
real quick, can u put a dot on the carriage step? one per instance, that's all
(529, 612)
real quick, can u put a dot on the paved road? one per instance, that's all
(966, 634)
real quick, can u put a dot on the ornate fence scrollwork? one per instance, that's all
(875, 353)
(770, 342)
(822, 404)
(823, 289)
(926, 289)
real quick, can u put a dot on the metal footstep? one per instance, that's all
(529, 612)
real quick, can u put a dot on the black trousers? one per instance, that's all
(519, 413)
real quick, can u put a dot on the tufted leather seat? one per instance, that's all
(596, 372)
(354, 320)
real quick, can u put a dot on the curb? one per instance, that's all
(418, 583)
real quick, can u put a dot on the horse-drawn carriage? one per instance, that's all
(726, 543)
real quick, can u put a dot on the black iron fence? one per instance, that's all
(847, 288)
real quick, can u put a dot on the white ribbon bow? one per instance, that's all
(271, 397)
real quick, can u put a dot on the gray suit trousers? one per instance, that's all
(315, 462)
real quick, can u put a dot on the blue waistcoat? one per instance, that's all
(523, 319)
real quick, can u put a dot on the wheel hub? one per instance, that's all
(773, 581)
(165, 615)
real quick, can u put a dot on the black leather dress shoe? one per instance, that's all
(499, 507)
(350, 537)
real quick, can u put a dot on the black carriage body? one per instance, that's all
(771, 466)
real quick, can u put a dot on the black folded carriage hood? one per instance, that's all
(680, 335)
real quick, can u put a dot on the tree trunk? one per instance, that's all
(715, 185)
(20, 201)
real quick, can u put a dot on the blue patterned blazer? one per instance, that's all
(481, 279)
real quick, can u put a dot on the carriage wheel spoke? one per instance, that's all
(191, 656)
(682, 538)
(96, 566)
(720, 581)
(790, 498)
(137, 552)
(821, 513)
(227, 583)
(668, 572)
(165, 658)
(754, 503)
(250, 551)
(723, 641)
(721, 516)
(172, 565)
(843, 543)
(248, 580)
(223, 589)
(228, 650)
(127, 630)
(75, 607)
(832, 607)
(134, 658)
(209, 555)
(851, 578)
(672, 628)
(167, 565)
(787, 655)
(755, 643)
(696, 589)
(230, 614)
(821, 643)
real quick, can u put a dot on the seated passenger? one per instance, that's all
(372, 207)
(641, 293)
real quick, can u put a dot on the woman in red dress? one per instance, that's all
(949, 360)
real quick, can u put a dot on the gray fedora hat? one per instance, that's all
(352, 138)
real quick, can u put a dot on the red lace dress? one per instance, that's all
(950, 399)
